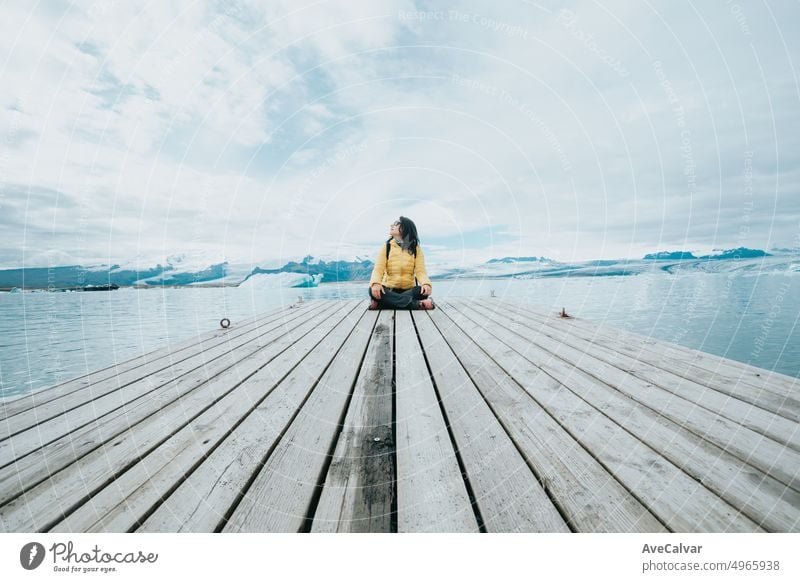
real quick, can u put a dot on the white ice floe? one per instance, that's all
(278, 280)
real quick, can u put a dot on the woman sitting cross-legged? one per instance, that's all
(399, 279)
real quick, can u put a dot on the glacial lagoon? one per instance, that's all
(752, 317)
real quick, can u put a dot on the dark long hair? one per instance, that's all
(409, 229)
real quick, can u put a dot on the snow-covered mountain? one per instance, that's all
(500, 268)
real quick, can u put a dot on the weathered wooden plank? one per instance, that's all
(262, 405)
(589, 497)
(595, 414)
(645, 351)
(173, 352)
(771, 457)
(431, 493)
(760, 420)
(507, 493)
(359, 488)
(46, 423)
(188, 397)
(282, 492)
(699, 364)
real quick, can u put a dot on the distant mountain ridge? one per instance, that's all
(738, 253)
(180, 271)
(670, 255)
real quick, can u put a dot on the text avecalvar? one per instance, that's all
(671, 549)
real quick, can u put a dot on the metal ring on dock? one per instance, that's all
(225, 323)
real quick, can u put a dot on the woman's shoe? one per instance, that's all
(373, 305)
(427, 304)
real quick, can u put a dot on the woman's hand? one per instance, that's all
(426, 289)
(377, 291)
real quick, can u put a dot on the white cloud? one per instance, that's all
(251, 129)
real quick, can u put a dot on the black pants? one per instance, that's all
(400, 298)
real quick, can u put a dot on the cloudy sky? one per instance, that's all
(254, 131)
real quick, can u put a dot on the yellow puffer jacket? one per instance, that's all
(398, 272)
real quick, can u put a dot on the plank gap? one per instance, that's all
(394, 518)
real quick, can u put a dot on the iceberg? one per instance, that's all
(279, 280)
(670, 256)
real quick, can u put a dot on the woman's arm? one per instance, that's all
(380, 268)
(419, 269)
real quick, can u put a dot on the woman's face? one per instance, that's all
(394, 229)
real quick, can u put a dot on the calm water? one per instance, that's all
(46, 338)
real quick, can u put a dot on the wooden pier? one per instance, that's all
(477, 416)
